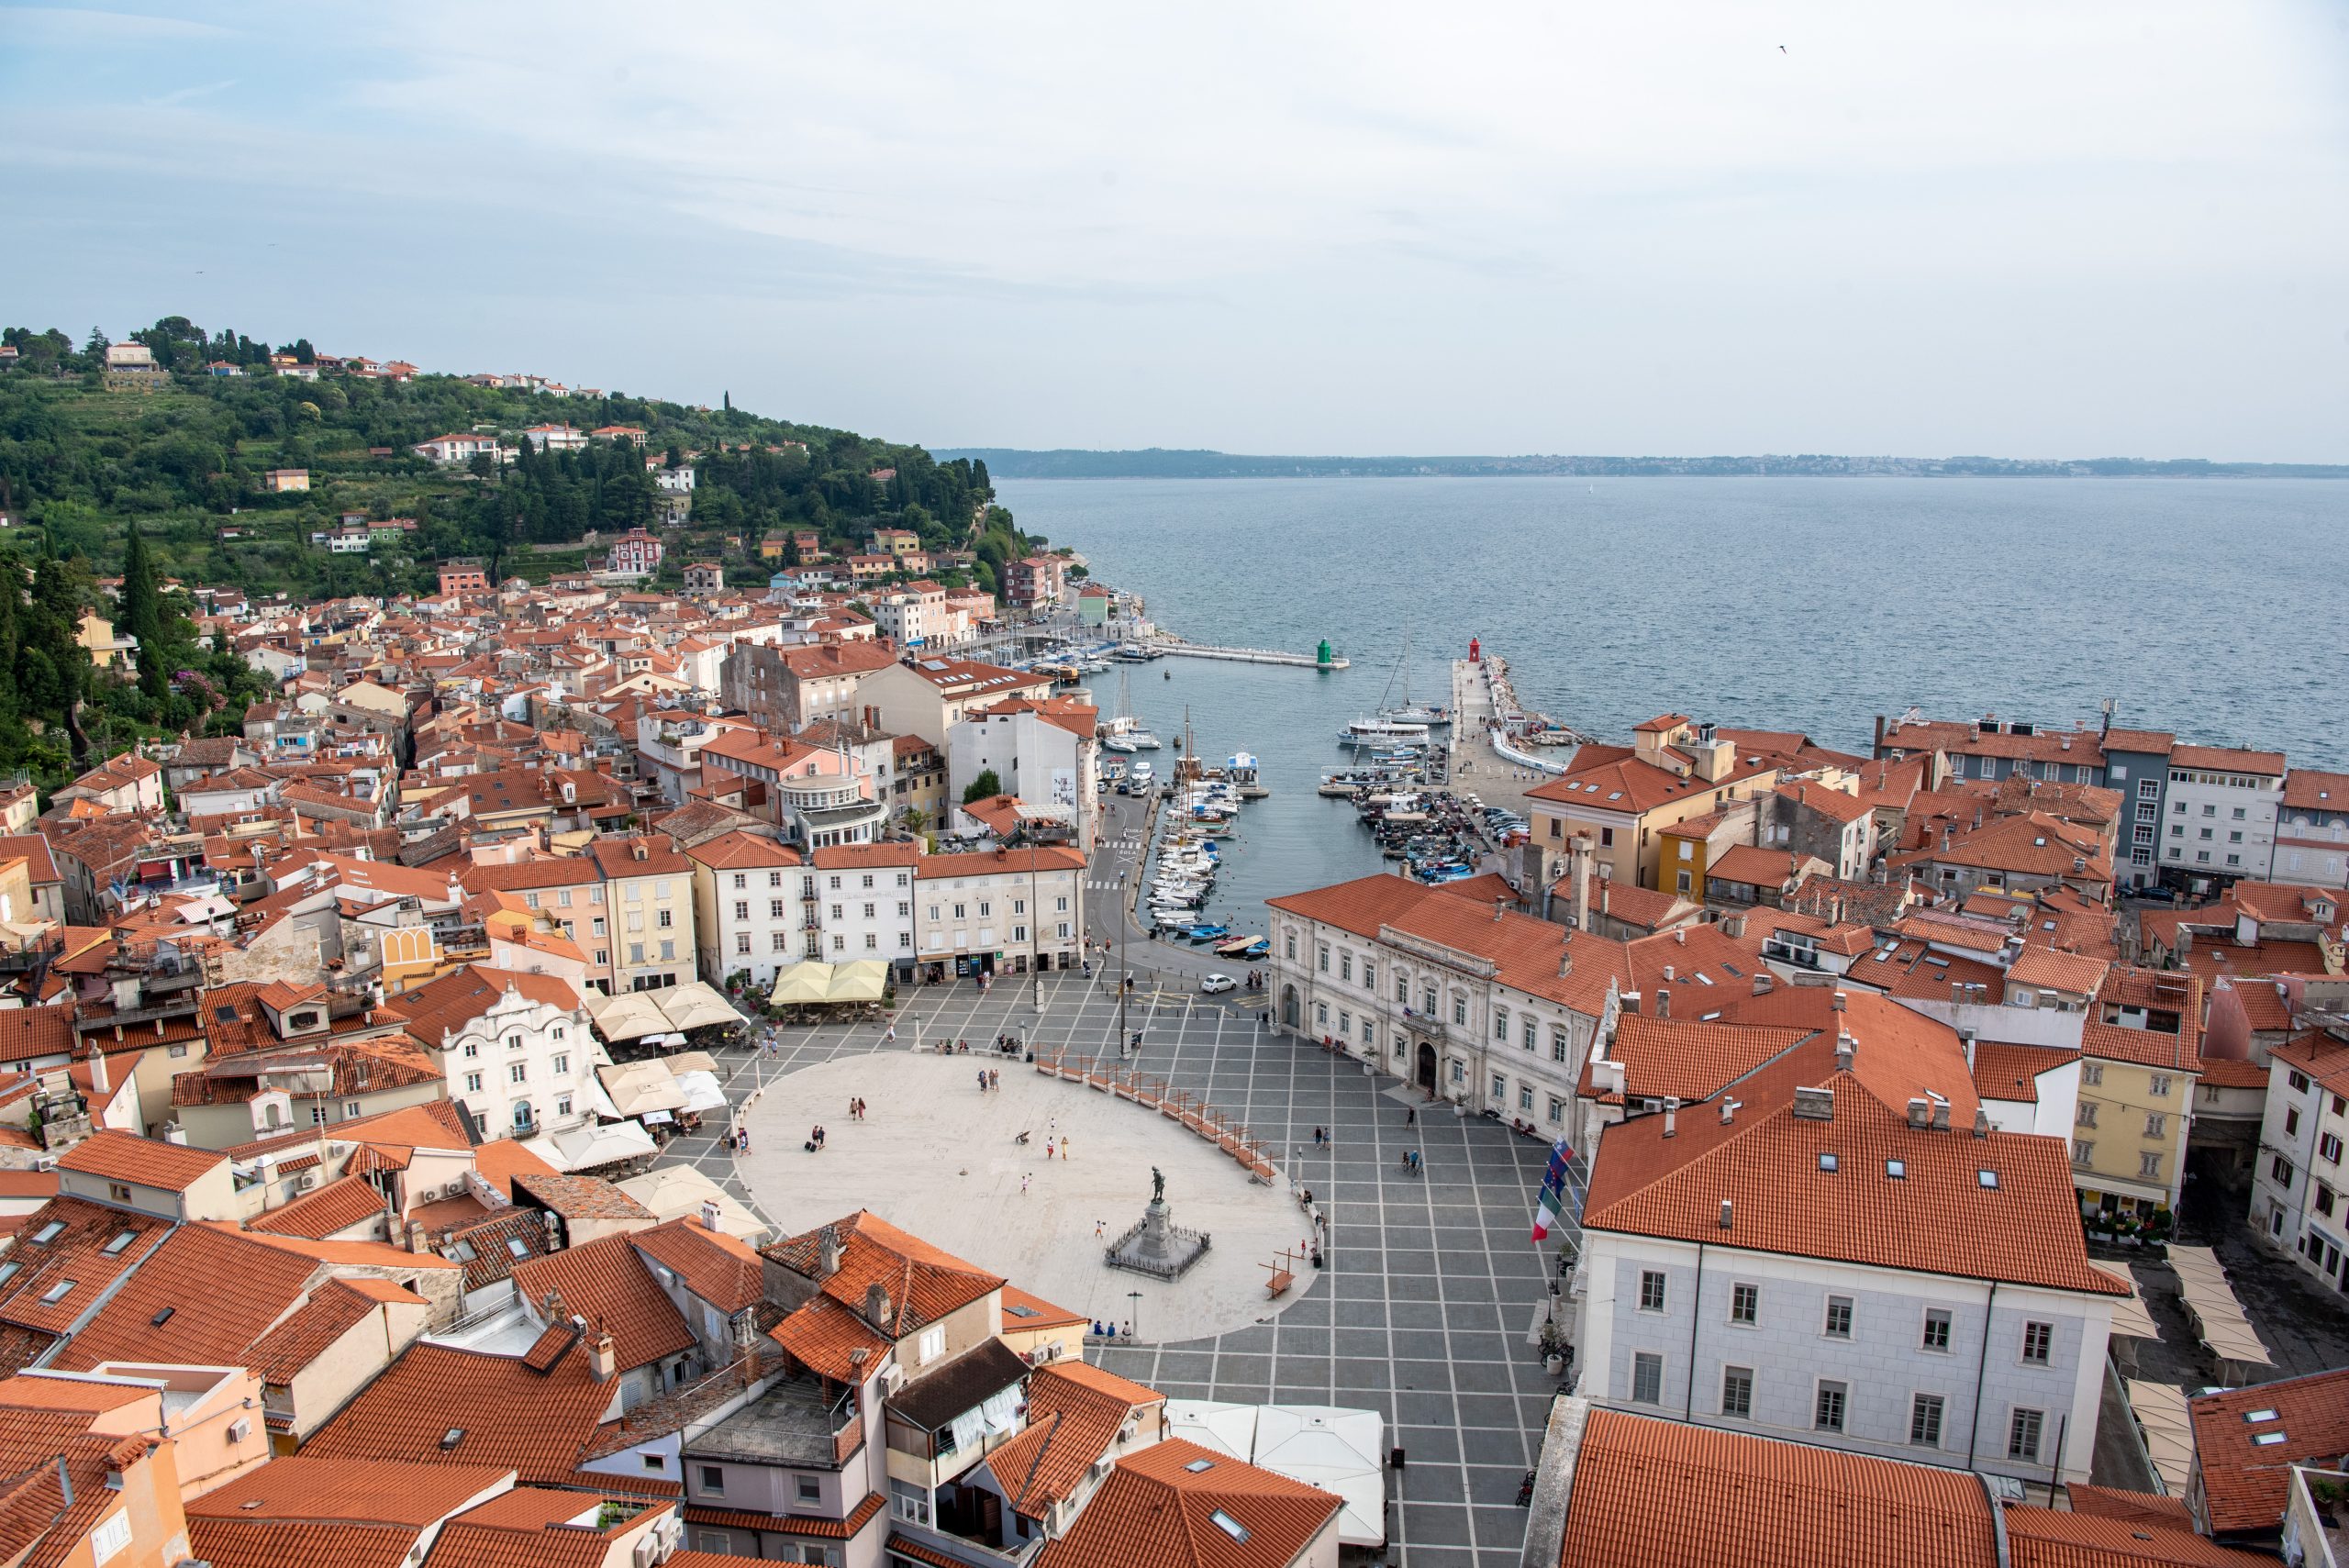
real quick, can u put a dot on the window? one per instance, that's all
(1500, 1024)
(713, 1478)
(1745, 1303)
(2023, 1433)
(741, 882)
(1289, 939)
(1651, 1290)
(1532, 1034)
(1402, 985)
(2083, 1152)
(810, 1490)
(2085, 1114)
(1647, 1378)
(2328, 1147)
(2038, 1341)
(57, 1292)
(1525, 1096)
(1925, 1420)
(2092, 1073)
(1460, 1010)
(933, 1345)
(2298, 1081)
(2156, 1123)
(2157, 1085)
(472, 1083)
(2279, 1170)
(598, 930)
(520, 1073)
(1839, 1317)
(1737, 1391)
(111, 1536)
(742, 941)
(1500, 1084)
(1936, 1329)
(1827, 1408)
(2149, 1165)
(1557, 1110)
(1321, 958)
(1346, 966)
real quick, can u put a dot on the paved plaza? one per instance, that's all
(1431, 1289)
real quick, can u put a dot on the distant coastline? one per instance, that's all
(1157, 462)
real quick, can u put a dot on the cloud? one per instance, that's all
(53, 27)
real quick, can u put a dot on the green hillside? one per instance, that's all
(82, 464)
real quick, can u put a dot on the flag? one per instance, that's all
(1543, 1217)
(1551, 1196)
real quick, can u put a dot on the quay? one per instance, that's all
(1483, 762)
(1324, 660)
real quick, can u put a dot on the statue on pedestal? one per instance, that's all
(1157, 1185)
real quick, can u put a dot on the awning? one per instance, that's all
(1212, 1424)
(636, 1087)
(2129, 1317)
(683, 1061)
(675, 1191)
(2217, 1316)
(694, 1005)
(632, 1015)
(866, 980)
(656, 1118)
(591, 1148)
(1339, 1451)
(701, 1090)
(2161, 1413)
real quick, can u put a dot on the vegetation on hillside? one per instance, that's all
(169, 484)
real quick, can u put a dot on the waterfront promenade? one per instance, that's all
(1476, 768)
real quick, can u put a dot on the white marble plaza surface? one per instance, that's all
(938, 1158)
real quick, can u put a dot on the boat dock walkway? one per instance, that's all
(1243, 655)
(1484, 764)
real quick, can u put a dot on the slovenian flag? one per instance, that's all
(1552, 1198)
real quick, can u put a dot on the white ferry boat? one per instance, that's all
(1380, 732)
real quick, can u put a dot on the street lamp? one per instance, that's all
(1133, 1315)
(1035, 928)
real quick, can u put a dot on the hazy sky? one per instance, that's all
(2029, 230)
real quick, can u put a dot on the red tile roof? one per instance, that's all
(1939, 1217)
(1688, 1060)
(718, 1268)
(337, 1206)
(503, 1413)
(181, 1284)
(826, 1337)
(604, 1281)
(2244, 1481)
(1154, 1509)
(144, 1162)
(1074, 1413)
(2228, 759)
(924, 1282)
(1669, 1495)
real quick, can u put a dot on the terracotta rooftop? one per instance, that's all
(1155, 1507)
(2244, 1478)
(142, 1161)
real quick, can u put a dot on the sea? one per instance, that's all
(2214, 609)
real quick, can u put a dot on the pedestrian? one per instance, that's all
(995, 1078)
(1096, 1236)
(892, 1034)
(1024, 1181)
(1410, 1115)
(744, 1135)
(1063, 1148)
(1048, 1148)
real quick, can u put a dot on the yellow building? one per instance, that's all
(2140, 1053)
(1625, 796)
(97, 634)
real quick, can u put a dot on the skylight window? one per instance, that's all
(57, 1292)
(516, 1246)
(1199, 1464)
(1021, 1311)
(1827, 1163)
(49, 1232)
(161, 1316)
(1897, 1169)
(2268, 1439)
(1228, 1525)
(122, 1238)
(1987, 1178)
(453, 1436)
(2259, 1415)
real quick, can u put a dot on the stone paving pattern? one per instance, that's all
(1430, 1286)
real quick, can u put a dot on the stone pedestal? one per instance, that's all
(1157, 1246)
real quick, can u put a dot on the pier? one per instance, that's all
(1246, 655)
(1487, 761)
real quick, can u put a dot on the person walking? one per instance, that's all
(1063, 1148)
(1024, 1181)
(1410, 1115)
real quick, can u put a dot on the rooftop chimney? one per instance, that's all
(1965, 1041)
(1631, 1000)
(1671, 1115)
(1726, 1215)
(1941, 1114)
(828, 1257)
(1815, 1105)
(1730, 1108)
(876, 1305)
(1981, 1122)
(1920, 1111)
(1565, 962)
(1838, 1000)
(1844, 1046)
(1763, 981)
(608, 1360)
(1662, 1002)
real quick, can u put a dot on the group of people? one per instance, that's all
(989, 1078)
(1256, 980)
(816, 1138)
(856, 1108)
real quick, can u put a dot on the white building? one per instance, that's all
(555, 438)
(913, 616)
(1000, 911)
(675, 481)
(1043, 752)
(1486, 1008)
(460, 448)
(2300, 1190)
(751, 909)
(1805, 1258)
(2222, 805)
(514, 1047)
(864, 902)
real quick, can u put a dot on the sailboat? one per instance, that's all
(1407, 711)
(1122, 731)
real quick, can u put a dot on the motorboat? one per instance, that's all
(1380, 732)
(1122, 743)
(1141, 740)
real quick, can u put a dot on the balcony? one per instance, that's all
(799, 1423)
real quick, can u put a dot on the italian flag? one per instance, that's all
(1542, 1215)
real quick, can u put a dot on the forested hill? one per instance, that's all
(157, 477)
(1157, 462)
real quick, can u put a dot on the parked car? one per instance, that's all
(1215, 984)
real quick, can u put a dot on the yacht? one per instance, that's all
(1382, 732)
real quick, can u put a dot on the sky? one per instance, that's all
(2022, 229)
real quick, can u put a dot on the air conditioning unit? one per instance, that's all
(892, 1379)
(240, 1430)
(307, 1180)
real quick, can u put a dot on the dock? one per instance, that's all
(1245, 655)
(1483, 762)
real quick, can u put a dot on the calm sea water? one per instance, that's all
(2213, 608)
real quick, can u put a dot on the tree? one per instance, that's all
(142, 614)
(981, 788)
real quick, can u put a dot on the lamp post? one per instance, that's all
(1035, 930)
(1133, 1318)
